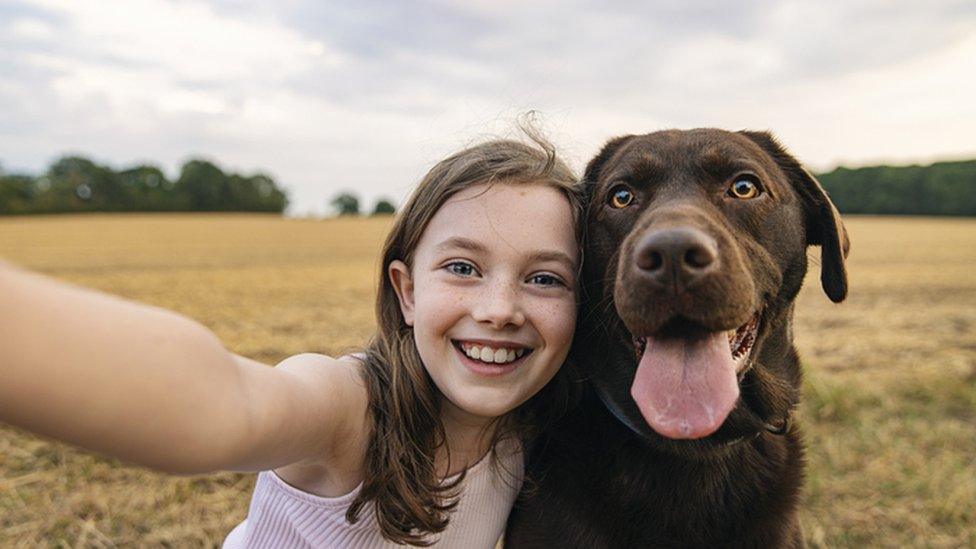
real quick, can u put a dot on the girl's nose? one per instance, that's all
(499, 306)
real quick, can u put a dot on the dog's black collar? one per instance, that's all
(783, 427)
(778, 430)
(617, 412)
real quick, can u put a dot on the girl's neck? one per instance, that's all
(468, 439)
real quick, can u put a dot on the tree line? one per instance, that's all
(943, 188)
(347, 203)
(77, 184)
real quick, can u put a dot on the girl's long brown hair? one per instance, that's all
(410, 502)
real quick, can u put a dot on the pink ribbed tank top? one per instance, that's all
(281, 515)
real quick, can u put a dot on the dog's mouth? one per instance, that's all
(687, 378)
(741, 341)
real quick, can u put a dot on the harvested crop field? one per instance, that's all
(889, 405)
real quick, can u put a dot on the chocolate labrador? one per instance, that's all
(696, 247)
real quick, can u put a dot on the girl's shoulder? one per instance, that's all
(343, 373)
(338, 467)
(338, 379)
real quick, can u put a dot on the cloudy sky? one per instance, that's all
(367, 95)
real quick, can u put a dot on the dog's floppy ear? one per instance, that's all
(593, 168)
(824, 227)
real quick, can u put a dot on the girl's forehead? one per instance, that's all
(524, 216)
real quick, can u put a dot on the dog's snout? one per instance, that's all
(676, 257)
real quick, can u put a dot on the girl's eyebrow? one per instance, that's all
(475, 246)
(463, 243)
(554, 255)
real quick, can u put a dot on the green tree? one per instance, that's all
(384, 207)
(272, 198)
(152, 190)
(345, 203)
(16, 194)
(943, 188)
(205, 186)
(75, 183)
(257, 193)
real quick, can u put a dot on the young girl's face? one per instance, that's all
(491, 295)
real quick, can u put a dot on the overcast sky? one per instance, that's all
(367, 95)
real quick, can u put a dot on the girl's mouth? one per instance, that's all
(491, 359)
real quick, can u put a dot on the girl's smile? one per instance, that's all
(492, 358)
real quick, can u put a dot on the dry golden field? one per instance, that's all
(889, 406)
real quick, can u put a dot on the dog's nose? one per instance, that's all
(676, 257)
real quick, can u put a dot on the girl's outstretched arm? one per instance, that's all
(153, 387)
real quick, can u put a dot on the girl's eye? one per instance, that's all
(546, 280)
(621, 196)
(745, 187)
(460, 268)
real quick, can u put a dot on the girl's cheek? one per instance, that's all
(559, 315)
(440, 291)
(446, 302)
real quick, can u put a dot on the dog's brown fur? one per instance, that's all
(603, 477)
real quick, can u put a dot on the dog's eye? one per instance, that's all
(621, 197)
(745, 188)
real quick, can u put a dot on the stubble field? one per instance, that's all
(889, 406)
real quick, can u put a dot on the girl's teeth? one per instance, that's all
(487, 355)
(493, 356)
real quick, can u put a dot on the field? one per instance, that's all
(889, 405)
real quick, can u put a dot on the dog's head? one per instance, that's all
(696, 248)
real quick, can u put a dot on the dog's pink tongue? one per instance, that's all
(685, 389)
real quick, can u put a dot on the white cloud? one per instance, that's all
(30, 28)
(152, 56)
(189, 40)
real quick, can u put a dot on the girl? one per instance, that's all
(415, 440)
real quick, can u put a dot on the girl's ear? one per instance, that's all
(402, 284)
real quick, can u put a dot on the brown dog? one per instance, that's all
(696, 249)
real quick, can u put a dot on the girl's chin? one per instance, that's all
(479, 391)
(481, 405)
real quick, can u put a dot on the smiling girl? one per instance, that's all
(415, 440)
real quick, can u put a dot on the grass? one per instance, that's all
(889, 405)
(890, 398)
